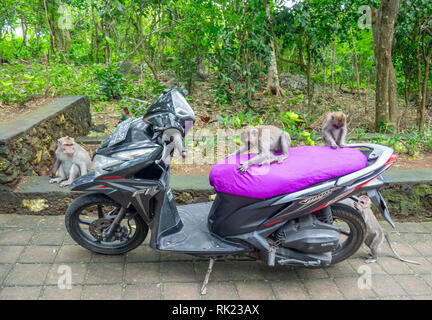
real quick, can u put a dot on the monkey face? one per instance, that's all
(67, 145)
(338, 119)
(364, 202)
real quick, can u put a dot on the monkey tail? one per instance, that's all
(394, 251)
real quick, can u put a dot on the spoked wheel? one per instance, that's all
(89, 218)
(353, 231)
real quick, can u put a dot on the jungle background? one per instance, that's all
(243, 62)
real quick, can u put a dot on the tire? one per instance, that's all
(73, 226)
(357, 227)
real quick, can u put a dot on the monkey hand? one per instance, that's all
(55, 180)
(334, 145)
(342, 145)
(243, 168)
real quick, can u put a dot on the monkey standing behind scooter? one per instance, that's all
(375, 234)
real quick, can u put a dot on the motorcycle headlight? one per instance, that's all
(101, 162)
(131, 154)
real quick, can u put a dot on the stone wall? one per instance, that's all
(28, 143)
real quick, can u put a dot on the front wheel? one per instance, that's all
(90, 215)
(353, 231)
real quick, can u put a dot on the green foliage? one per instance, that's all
(111, 82)
(296, 127)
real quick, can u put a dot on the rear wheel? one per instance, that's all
(90, 215)
(353, 231)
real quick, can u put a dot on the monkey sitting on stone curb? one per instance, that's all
(269, 140)
(72, 161)
(375, 234)
(334, 129)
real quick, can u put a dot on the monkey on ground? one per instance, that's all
(72, 161)
(375, 234)
(334, 129)
(268, 139)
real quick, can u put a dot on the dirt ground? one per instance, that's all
(8, 113)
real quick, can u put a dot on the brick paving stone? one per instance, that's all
(404, 249)
(322, 289)
(424, 267)
(39, 254)
(359, 262)
(21, 221)
(412, 227)
(71, 253)
(394, 265)
(220, 291)
(385, 286)
(221, 270)
(4, 270)
(427, 278)
(55, 293)
(246, 270)
(425, 248)
(425, 297)
(103, 292)
(20, 293)
(413, 285)
(57, 271)
(350, 289)
(311, 273)
(52, 223)
(105, 273)
(145, 291)
(15, 237)
(9, 254)
(143, 254)
(27, 274)
(180, 291)
(342, 269)
(254, 290)
(427, 225)
(138, 272)
(292, 289)
(68, 239)
(48, 237)
(177, 271)
(105, 258)
(278, 272)
(413, 238)
(167, 256)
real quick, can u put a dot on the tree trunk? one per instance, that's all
(325, 68)
(273, 85)
(422, 109)
(355, 62)
(332, 66)
(383, 20)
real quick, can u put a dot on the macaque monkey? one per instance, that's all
(375, 234)
(334, 129)
(268, 139)
(174, 137)
(72, 161)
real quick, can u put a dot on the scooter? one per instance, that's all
(129, 193)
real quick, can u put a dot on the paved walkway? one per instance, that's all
(36, 253)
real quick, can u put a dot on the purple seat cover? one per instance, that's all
(305, 166)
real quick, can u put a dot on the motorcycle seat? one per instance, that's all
(304, 167)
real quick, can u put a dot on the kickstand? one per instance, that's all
(207, 276)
